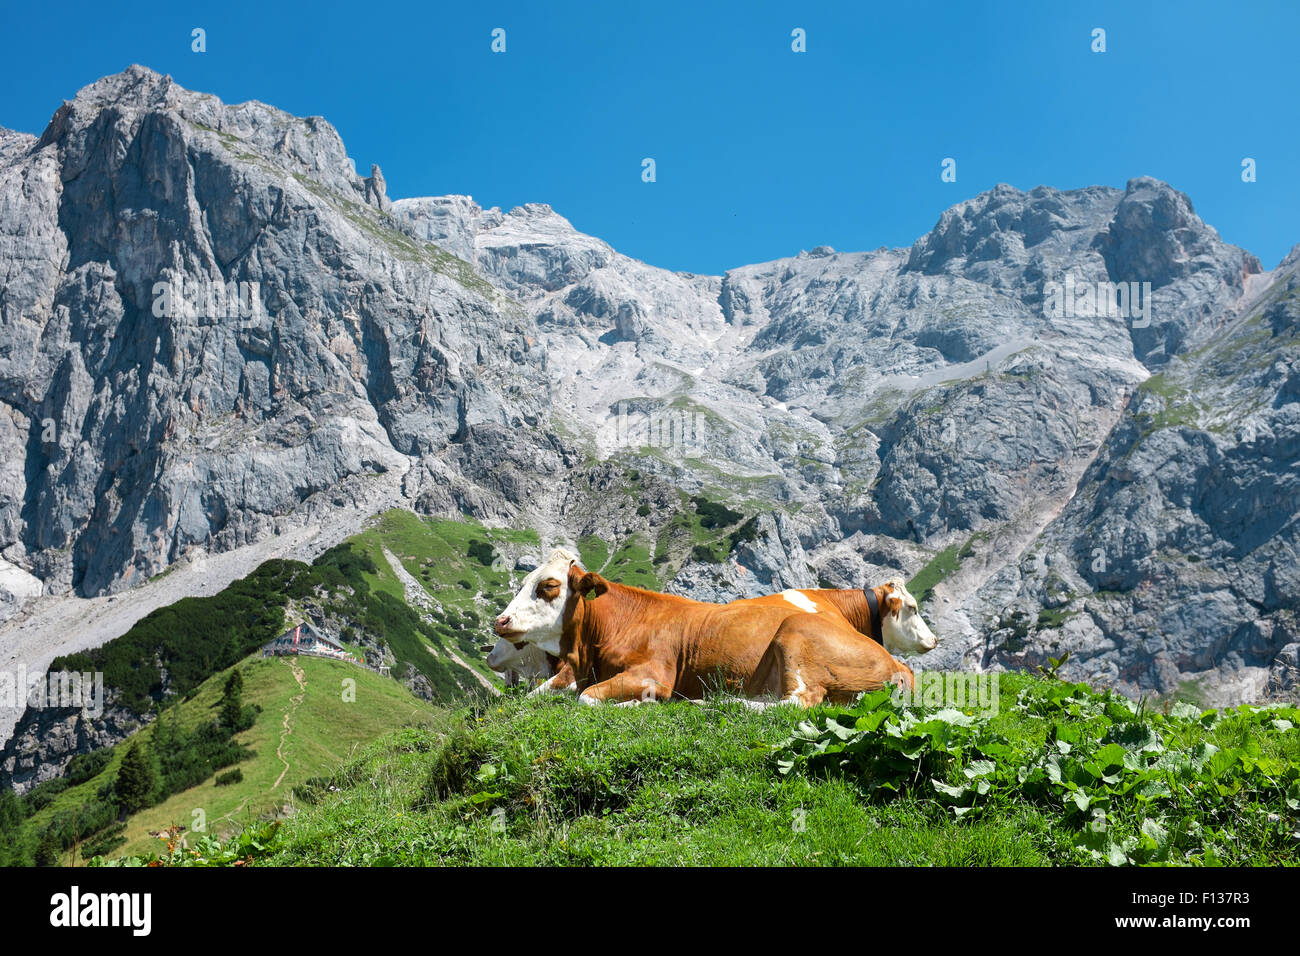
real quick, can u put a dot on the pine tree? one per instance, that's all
(11, 811)
(232, 702)
(136, 780)
(49, 852)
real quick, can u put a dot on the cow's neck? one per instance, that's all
(586, 628)
(855, 607)
(600, 628)
(573, 649)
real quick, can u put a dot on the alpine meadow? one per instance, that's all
(345, 530)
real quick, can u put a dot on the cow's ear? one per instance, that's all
(893, 605)
(592, 585)
(575, 575)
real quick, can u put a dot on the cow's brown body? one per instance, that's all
(818, 657)
(625, 643)
(851, 605)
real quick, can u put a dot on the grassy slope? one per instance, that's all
(647, 785)
(446, 555)
(675, 784)
(325, 731)
(464, 568)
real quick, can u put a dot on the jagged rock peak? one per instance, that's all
(1004, 221)
(308, 146)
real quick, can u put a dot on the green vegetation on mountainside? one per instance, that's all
(190, 640)
(712, 530)
(300, 719)
(944, 563)
(351, 585)
(1060, 775)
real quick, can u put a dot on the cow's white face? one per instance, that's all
(901, 625)
(536, 614)
(526, 662)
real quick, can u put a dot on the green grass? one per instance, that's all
(437, 552)
(325, 731)
(549, 782)
(944, 563)
(1054, 617)
(662, 786)
(633, 564)
(701, 530)
(463, 566)
(1177, 408)
(594, 553)
(1119, 782)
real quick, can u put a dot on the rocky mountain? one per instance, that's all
(139, 429)
(1178, 560)
(213, 331)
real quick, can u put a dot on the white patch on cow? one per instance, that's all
(800, 600)
(796, 696)
(905, 632)
(532, 618)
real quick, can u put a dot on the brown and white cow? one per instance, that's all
(624, 643)
(901, 631)
(821, 656)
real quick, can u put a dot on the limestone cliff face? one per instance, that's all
(874, 407)
(138, 427)
(1178, 561)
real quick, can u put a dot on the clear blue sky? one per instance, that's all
(760, 151)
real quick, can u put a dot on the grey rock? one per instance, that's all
(145, 436)
(50, 737)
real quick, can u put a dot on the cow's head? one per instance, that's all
(901, 625)
(516, 662)
(536, 613)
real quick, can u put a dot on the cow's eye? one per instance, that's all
(549, 590)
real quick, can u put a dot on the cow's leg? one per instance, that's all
(797, 691)
(794, 651)
(778, 674)
(640, 684)
(546, 687)
(561, 682)
(765, 682)
(766, 679)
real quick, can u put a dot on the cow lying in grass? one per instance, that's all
(887, 614)
(900, 630)
(824, 656)
(623, 643)
(521, 664)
